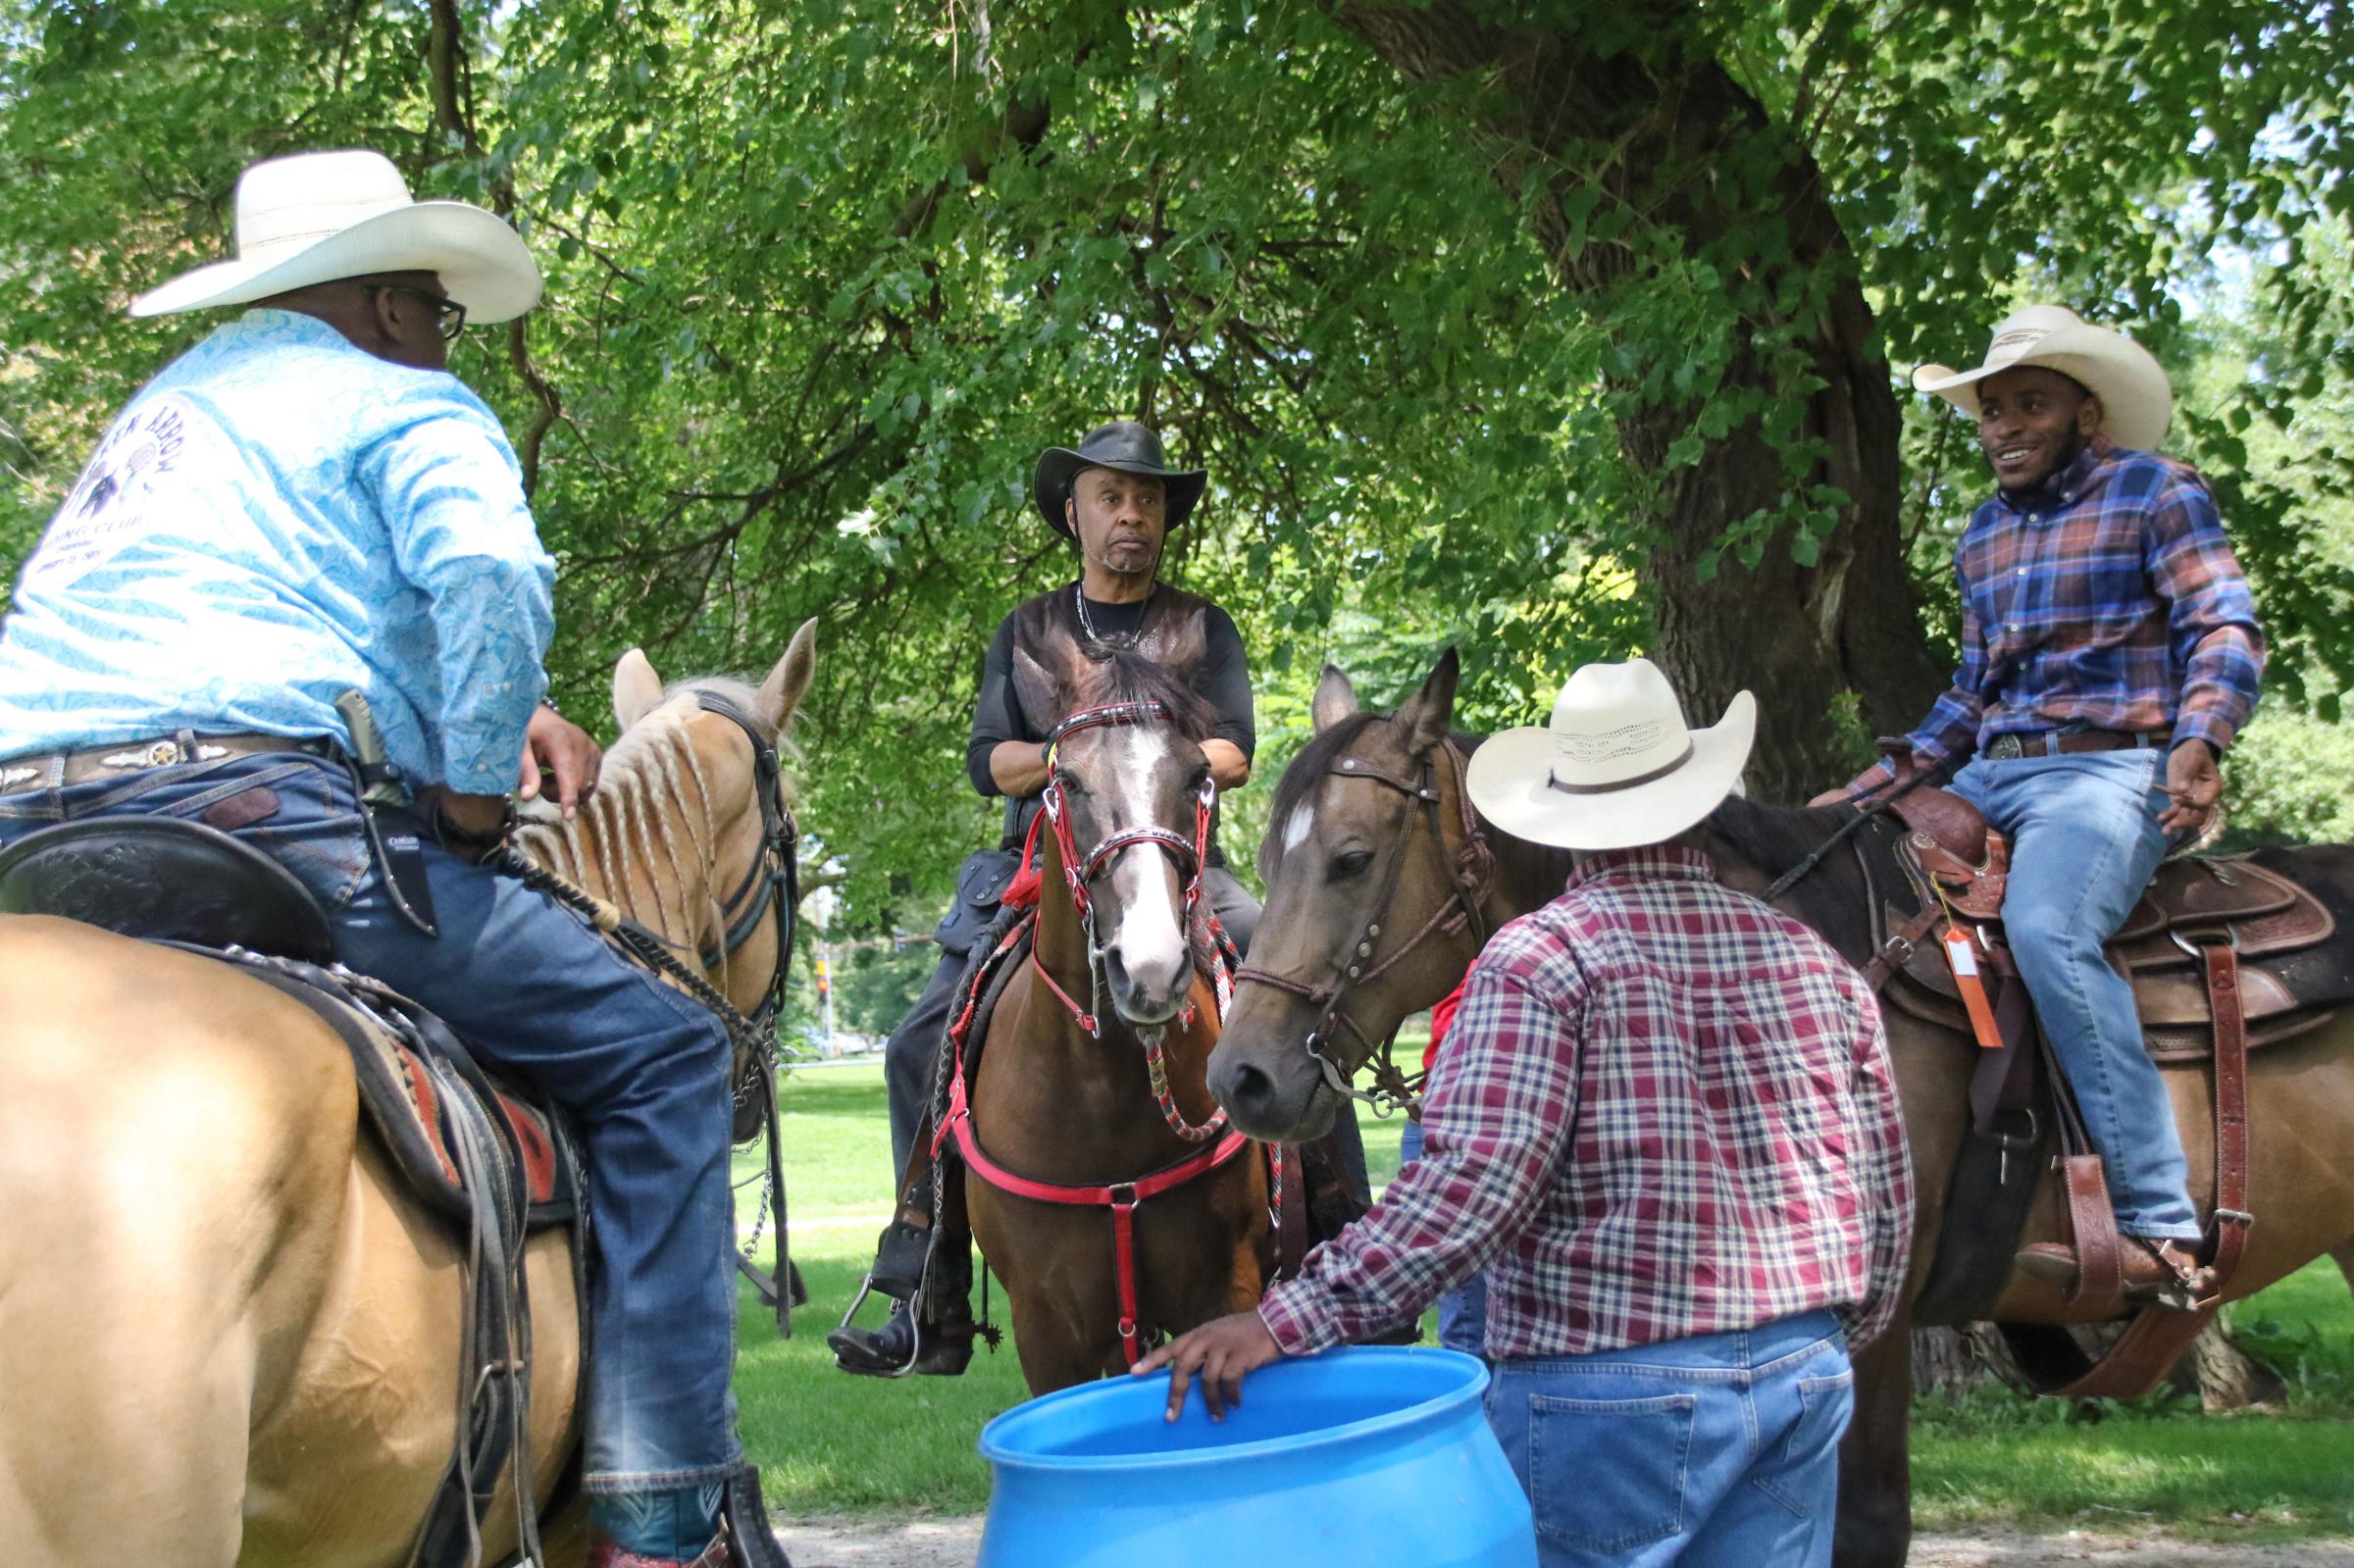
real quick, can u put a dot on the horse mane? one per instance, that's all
(652, 821)
(1125, 676)
(1774, 838)
(1831, 898)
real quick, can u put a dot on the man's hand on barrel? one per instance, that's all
(1221, 1350)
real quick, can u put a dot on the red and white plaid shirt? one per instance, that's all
(1665, 1110)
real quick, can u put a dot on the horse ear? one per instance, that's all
(1429, 713)
(1335, 699)
(781, 693)
(637, 690)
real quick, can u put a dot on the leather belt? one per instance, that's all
(52, 769)
(2066, 742)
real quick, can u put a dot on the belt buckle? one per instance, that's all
(163, 754)
(2006, 748)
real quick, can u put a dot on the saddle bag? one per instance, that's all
(980, 884)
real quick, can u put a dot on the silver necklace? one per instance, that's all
(1087, 626)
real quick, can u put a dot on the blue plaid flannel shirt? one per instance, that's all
(2107, 598)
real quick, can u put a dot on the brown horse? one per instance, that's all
(228, 1334)
(1334, 835)
(1062, 1103)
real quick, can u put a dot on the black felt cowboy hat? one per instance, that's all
(1125, 445)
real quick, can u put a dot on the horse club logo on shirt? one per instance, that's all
(111, 503)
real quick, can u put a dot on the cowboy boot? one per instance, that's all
(942, 1345)
(2154, 1273)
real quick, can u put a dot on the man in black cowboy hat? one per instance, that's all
(1116, 498)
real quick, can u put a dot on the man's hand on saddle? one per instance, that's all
(559, 750)
(2195, 783)
(1220, 1352)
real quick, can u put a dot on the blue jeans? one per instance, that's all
(1717, 1451)
(2084, 841)
(1463, 1310)
(643, 1068)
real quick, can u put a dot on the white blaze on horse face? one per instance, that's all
(1302, 823)
(1151, 934)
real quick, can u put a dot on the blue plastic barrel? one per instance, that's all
(1371, 1458)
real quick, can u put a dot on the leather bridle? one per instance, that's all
(772, 883)
(1470, 867)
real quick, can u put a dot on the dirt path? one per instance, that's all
(952, 1543)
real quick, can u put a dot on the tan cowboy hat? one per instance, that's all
(1615, 766)
(2135, 401)
(321, 216)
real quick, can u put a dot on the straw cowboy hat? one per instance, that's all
(1615, 766)
(2135, 401)
(1125, 445)
(318, 217)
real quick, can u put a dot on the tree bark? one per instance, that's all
(1685, 147)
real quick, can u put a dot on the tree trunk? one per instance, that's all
(1635, 103)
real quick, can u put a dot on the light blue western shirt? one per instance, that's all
(277, 518)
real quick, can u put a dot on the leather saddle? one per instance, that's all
(167, 879)
(2264, 914)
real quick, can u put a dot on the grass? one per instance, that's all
(830, 1443)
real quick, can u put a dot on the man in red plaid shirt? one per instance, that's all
(2110, 653)
(1667, 1126)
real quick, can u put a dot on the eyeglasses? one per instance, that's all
(450, 315)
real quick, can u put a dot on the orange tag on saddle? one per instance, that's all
(1962, 956)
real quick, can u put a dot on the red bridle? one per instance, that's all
(1079, 870)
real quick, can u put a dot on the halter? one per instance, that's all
(1472, 865)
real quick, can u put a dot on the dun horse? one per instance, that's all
(228, 1334)
(1064, 1097)
(1337, 837)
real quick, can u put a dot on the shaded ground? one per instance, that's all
(952, 1543)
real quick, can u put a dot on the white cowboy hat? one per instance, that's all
(1616, 768)
(2135, 401)
(321, 216)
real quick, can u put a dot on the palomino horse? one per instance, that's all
(228, 1334)
(1065, 1096)
(1347, 822)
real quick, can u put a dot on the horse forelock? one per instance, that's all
(1297, 789)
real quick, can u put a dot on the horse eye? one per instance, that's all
(1352, 864)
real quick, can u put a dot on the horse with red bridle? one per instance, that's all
(1104, 1186)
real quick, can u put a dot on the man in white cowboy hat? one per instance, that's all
(306, 504)
(2110, 654)
(1667, 1126)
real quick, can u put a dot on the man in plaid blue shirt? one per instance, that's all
(2110, 654)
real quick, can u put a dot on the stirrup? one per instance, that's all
(867, 1287)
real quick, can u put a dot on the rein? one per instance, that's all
(1472, 868)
